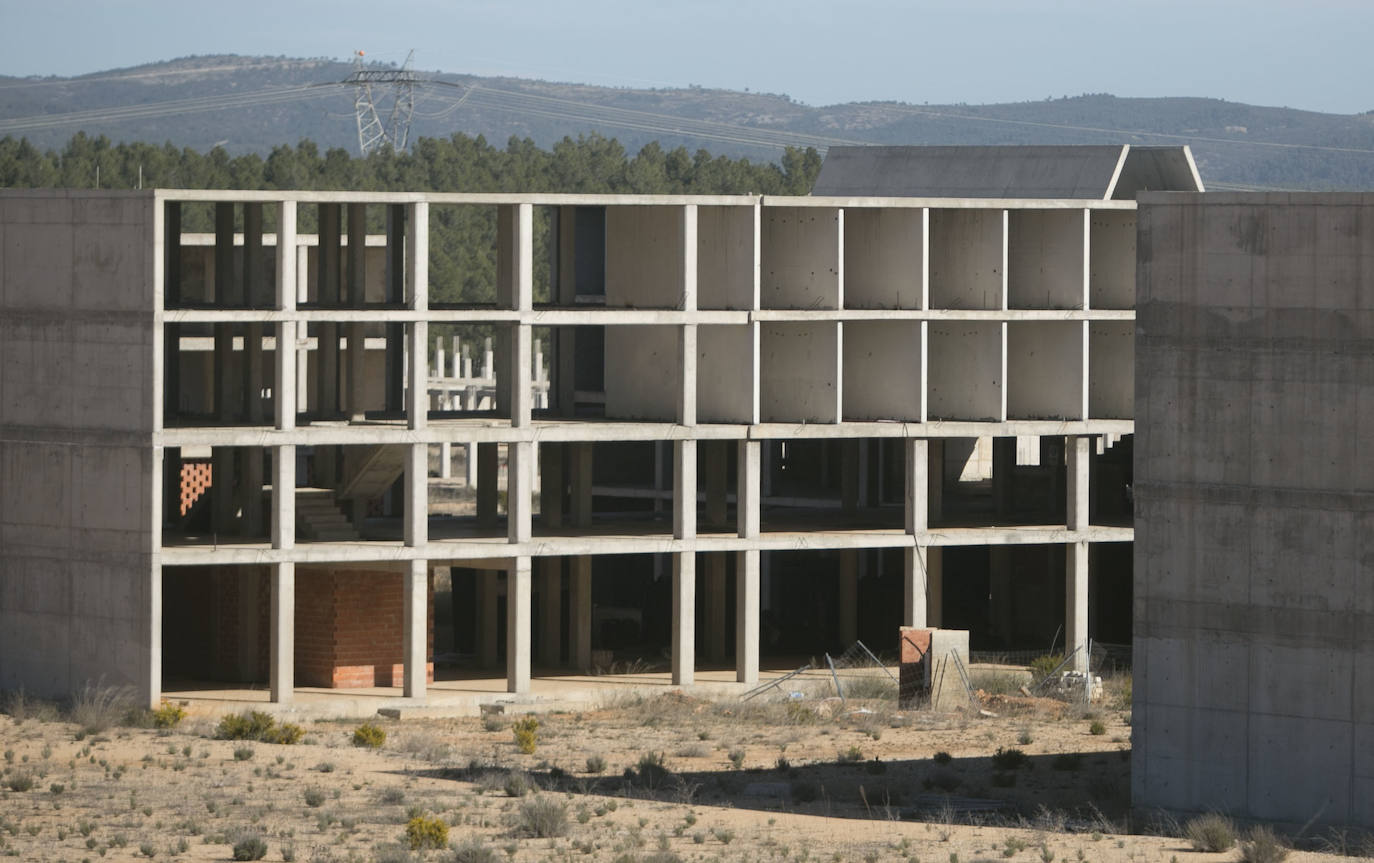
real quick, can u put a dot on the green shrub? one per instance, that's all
(369, 735)
(1262, 846)
(517, 784)
(942, 758)
(596, 764)
(543, 817)
(19, 782)
(1097, 729)
(422, 832)
(244, 726)
(168, 715)
(286, 734)
(1212, 832)
(313, 797)
(1041, 666)
(526, 734)
(251, 847)
(243, 753)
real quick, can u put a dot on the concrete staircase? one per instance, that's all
(318, 517)
(372, 472)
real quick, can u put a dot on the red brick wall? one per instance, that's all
(349, 628)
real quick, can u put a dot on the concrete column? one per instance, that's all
(684, 618)
(747, 616)
(684, 489)
(255, 293)
(488, 605)
(521, 403)
(849, 596)
(935, 586)
(519, 490)
(580, 614)
(935, 476)
(1078, 450)
(581, 482)
(417, 387)
(227, 296)
(714, 604)
(915, 586)
(284, 380)
(551, 484)
(1076, 602)
(488, 470)
(716, 466)
(445, 460)
(917, 469)
(416, 516)
(687, 379)
(550, 606)
(518, 626)
(281, 673)
(416, 629)
(284, 496)
(1003, 474)
(747, 489)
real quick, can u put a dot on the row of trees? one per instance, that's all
(459, 163)
(462, 246)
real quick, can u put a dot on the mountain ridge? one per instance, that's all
(254, 103)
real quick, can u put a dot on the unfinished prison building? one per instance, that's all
(300, 441)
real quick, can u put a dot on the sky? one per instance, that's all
(1309, 54)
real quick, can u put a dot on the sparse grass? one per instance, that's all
(1263, 846)
(98, 708)
(543, 817)
(1213, 833)
(474, 850)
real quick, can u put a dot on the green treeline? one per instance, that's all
(456, 164)
(463, 239)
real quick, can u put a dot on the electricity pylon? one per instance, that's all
(372, 132)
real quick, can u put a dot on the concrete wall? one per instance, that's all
(884, 259)
(798, 370)
(1254, 596)
(643, 372)
(76, 419)
(1045, 259)
(644, 257)
(883, 371)
(1046, 363)
(800, 258)
(968, 253)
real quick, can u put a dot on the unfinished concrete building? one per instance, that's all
(1254, 639)
(764, 427)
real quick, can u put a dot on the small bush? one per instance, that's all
(852, 755)
(1009, 759)
(475, 851)
(736, 758)
(369, 735)
(517, 784)
(596, 764)
(1066, 761)
(1262, 846)
(724, 836)
(543, 818)
(251, 847)
(168, 715)
(526, 734)
(19, 782)
(1213, 833)
(244, 726)
(287, 734)
(652, 769)
(422, 832)
(942, 758)
(313, 797)
(1041, 666)
(1097, 728)
(96, 708)
(243, 753)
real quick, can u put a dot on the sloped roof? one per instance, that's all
(1088, 172)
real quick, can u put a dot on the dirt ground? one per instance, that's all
(669, 778)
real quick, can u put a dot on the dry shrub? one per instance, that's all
(1211, 832)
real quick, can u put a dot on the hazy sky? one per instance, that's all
(1313, 54)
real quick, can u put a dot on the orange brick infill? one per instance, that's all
(350, 628)
(912, 673)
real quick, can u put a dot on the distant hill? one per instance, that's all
(251, 104)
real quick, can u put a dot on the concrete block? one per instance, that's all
(1212, 674)
(884, 258)
(38, 269)
(967, 259)
(1320, 544)
(108, 267)
(800, 258)
(727, 258)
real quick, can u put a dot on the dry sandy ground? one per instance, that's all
(781, 781)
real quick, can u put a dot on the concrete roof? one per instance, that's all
(1089, 173)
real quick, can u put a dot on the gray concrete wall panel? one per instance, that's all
(1252, 504)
